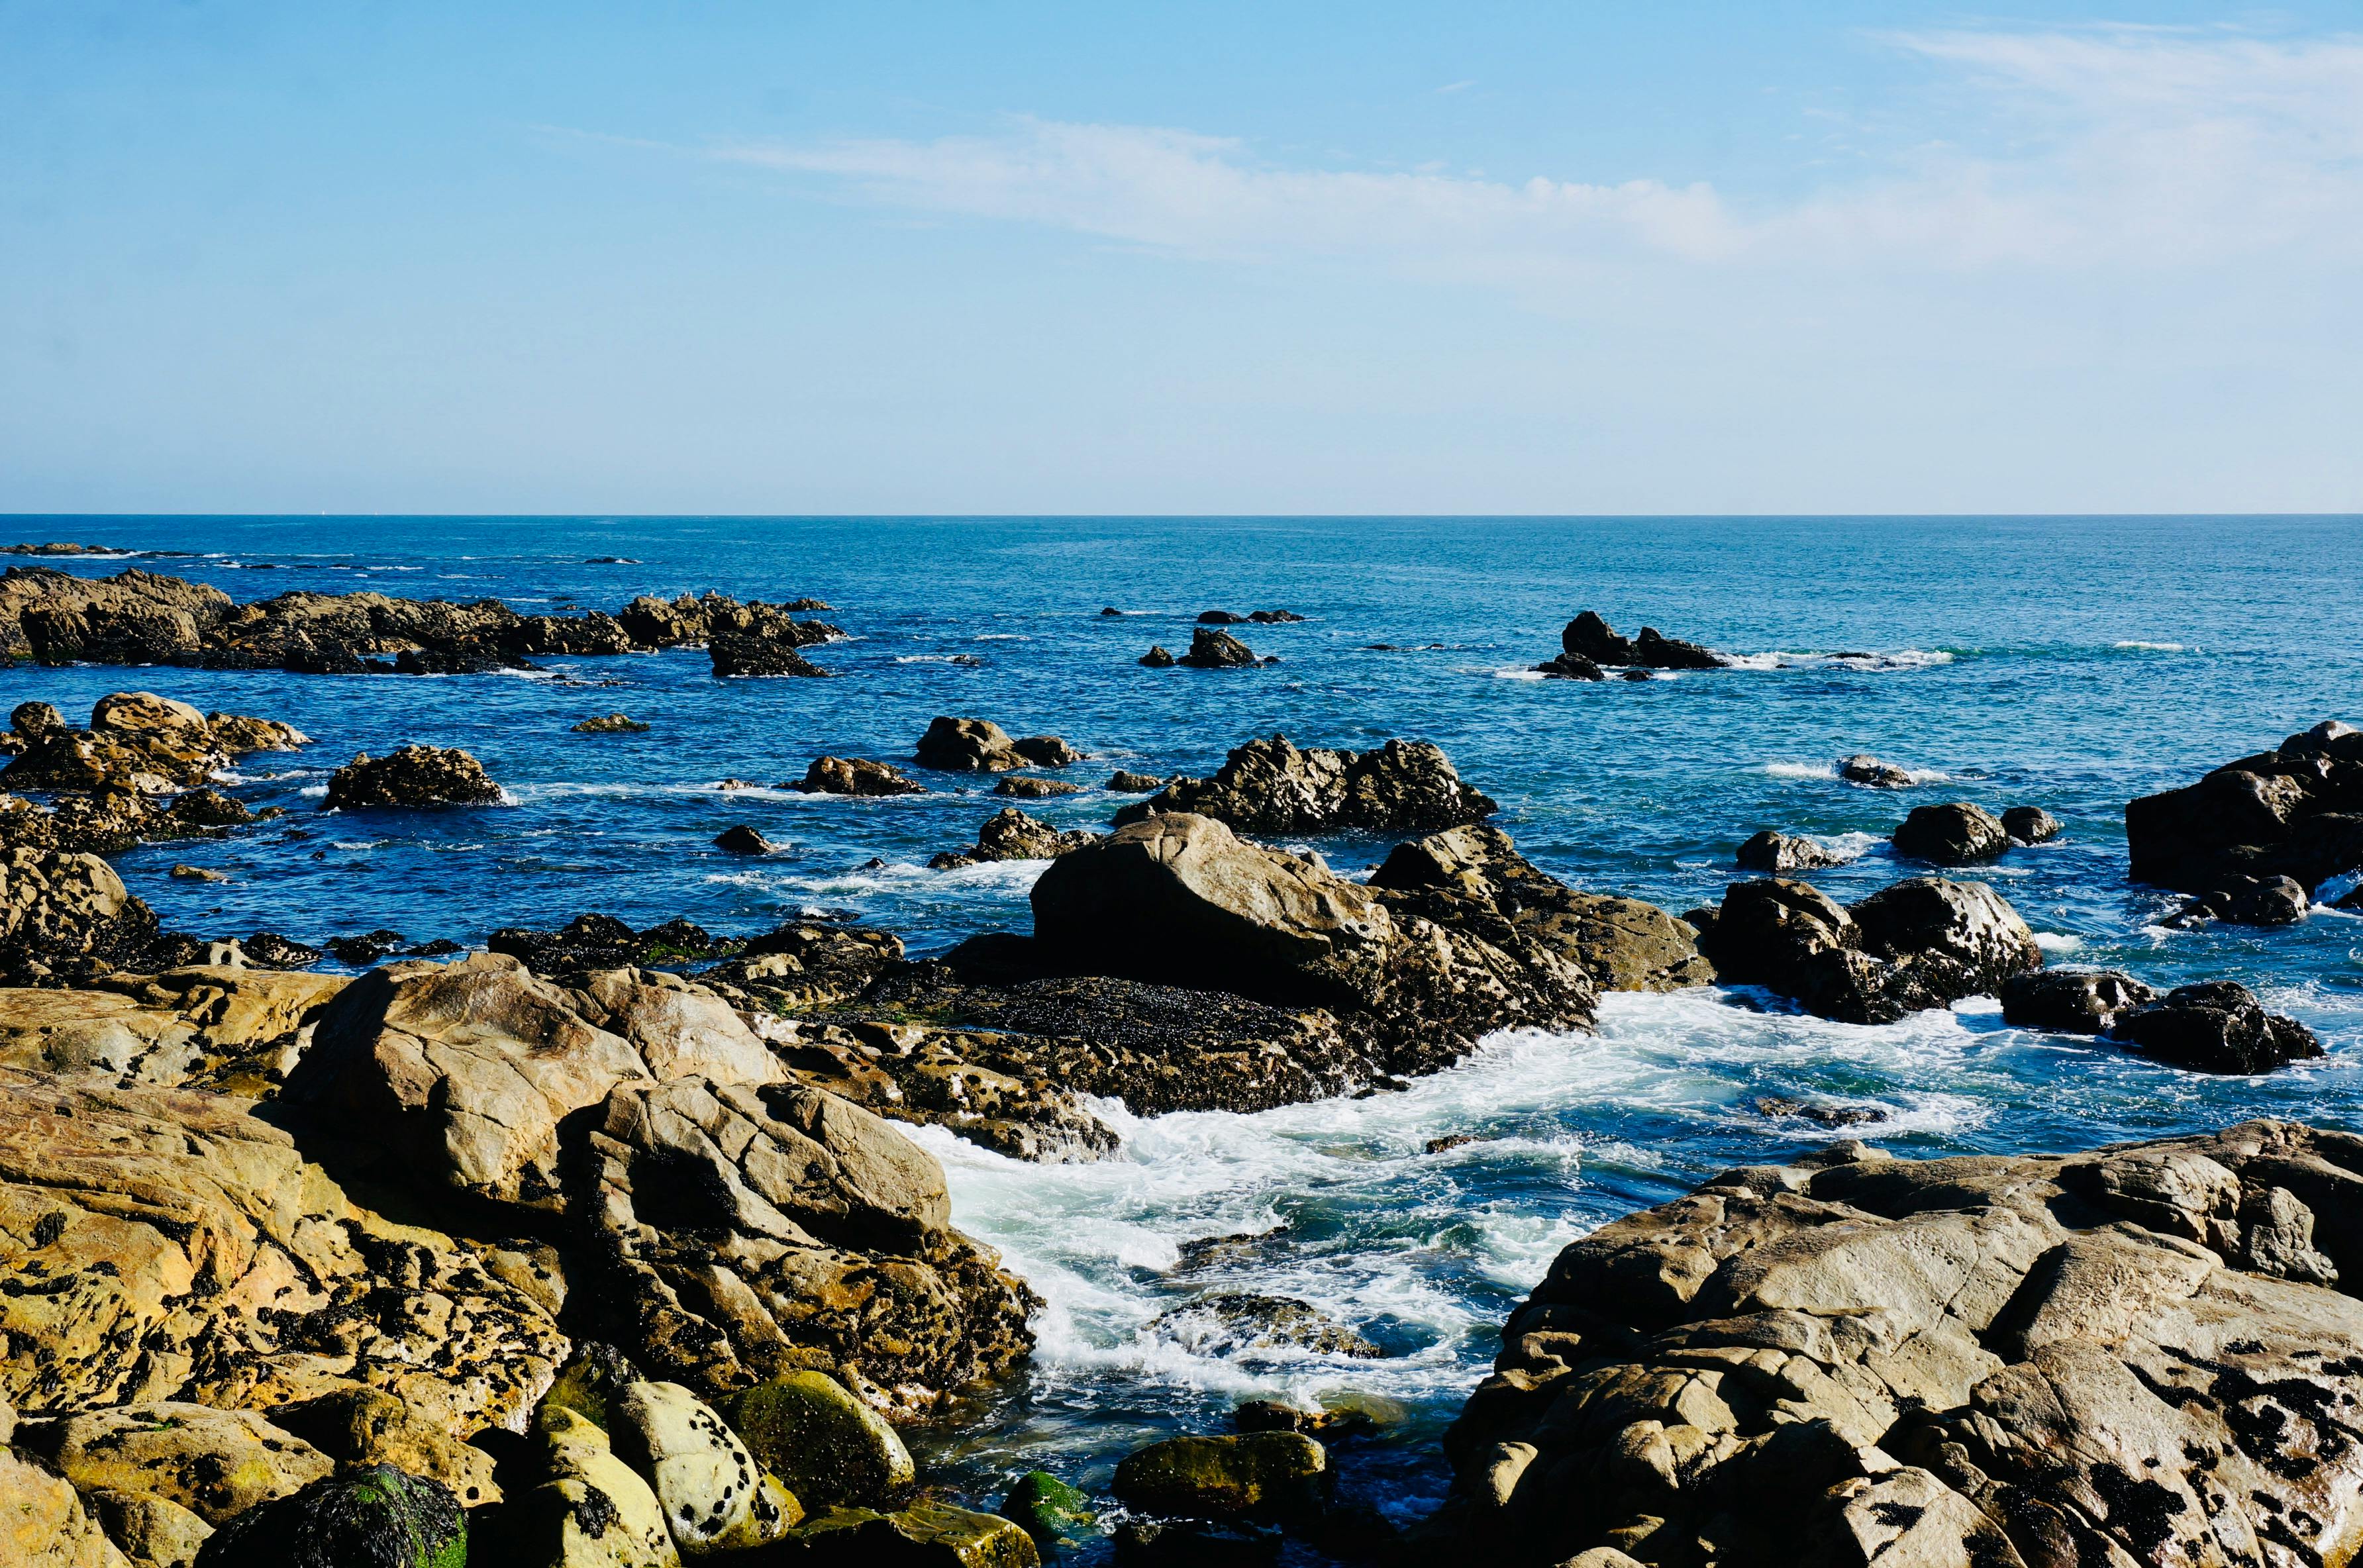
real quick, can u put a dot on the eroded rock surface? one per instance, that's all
(1591, 638)
(2295, 812)
(1010, 834)
(412, 777)
(1272, 786)
(1918, 943)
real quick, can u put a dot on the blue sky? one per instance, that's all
(1033, 258)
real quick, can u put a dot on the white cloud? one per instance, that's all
(2119, 147)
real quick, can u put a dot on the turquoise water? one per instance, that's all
(2070, 663)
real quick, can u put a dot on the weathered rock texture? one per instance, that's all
(2129, 1356)
(1776, 852)
(1010, 834)
(1272, 786)
(228, 1028)
(856, 776)
(1957, 833)
(64, 915)
(980, 746)
(1919, 943)
(2295, 812)
(412, 775)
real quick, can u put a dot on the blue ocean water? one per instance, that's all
(2070, 663)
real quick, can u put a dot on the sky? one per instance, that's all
(1005, 258)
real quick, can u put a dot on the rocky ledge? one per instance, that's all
(2139, 1354)
(2257, 838)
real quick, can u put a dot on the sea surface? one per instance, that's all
(2070, 663)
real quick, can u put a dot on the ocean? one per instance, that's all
(2070, 663)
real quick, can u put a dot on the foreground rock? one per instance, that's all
(1272, 787)
(1957, 833)
(1926, 943)
(378, 1514)
(1590, 639)
(229, 1029)
(410, 778)
(1257, 1475)
(980, 746)
(2294, 812)
(2124, 1356)
(2217, 1026)
(1010, 834)
(856, 776)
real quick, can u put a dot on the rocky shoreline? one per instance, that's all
(604, 1245)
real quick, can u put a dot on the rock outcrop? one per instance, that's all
(1957, 833)
(2125, 1356)
(67, 915)
(1778, 852)
(2295, 812)
(1272, 787)
(1919, 943)
(2031, 825)
(980, 746)
(2071, 1001)
(1866, 769)
(856, 776)
(138, 774)
(410, 778)
(1591, 638)
(1010, 834)
(229, 1029)
(2217, 1026)
(1211, 649)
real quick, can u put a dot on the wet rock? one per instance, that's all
(1957, 833)
(1259, 1474)
(2071, 1001)
(2031, 825)
(1220, 618)
(1049, 1510)
(2217, 1026)
(43, 1523)
(138, 741)
(378, 1515)
(2246, 901)
(1921, 944)
(741, 654)
(1866, 769)
(412, 777)
(808, 963)
(1185, 1543)
(1571, 666)
(1273, 617)
(1010, 834)
(825, 1444)
(1211, 649)
(925, 1535)
(1028, 789)
(2295, 812)
(1232, 1322)
(740, 839)
(1770, 850)
(602, 941)
(1158, 658)
(1125, 781)
(713, 1496)
(1110, 610)
(215, 1464)
(1820, 1115)
(856, 776)
(610, 724)
(268, 950)
(1272, 787)
(199, 874)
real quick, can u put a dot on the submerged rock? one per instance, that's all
(2295, 812)
(735, 654)
(1957, 833)
(2246, 901)
(1770, 850)
(1257, 1475)
(412, 777)
(1272, 787)
(856, 776)
(1229, 1323)
(2217, 1026)
(1921, 944)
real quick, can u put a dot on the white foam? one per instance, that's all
(1802, 770)
(895, 876)
(2057, 941)
(313, 791)
(2152, 648)
(1520, 674)
(1868, 662)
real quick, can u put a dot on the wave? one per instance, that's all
(2135, 646)
(1830, 770)
(897, 877)
(2057, 941)
(1874, 663)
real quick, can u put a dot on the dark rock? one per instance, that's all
(375, 1518)
(1957, 833)
(1820, 1115)
(1866, 769)
(2071, 1001)
(1256, 1475)
(1921, 944)
(1210, 649)
(1193, 1544)
(2295, 812)
(1219, 618)
(2217, 1026)
(1273, 617)
(602, 941)
(1770, 850)
(361, 952)
(1158, 658)
(1010, 834)
(67, 915)
(1572, 667)
(611, 725)
(413, 777)
(1272, 786)
(856, 776)
(1110, 610)
(1636, 675)
(739, 653)
(1588, 638)
(1123, 781)
(1046, 751)
(268, 950)
(2031, 825)
(980, 746)
(1230, 1323)
(1025, 789)
(1052, 1512)
(741, 839)
(1457, 1141)
(2247, 900)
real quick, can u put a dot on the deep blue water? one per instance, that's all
(2070, 663)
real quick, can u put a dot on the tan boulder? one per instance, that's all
(219, 1026)
(154, 1532)
(215, 1464)
(43, 1523)
(593, 1510)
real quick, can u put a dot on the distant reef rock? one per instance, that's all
(411, 777)
(980, 746)
(1274, 787)
(140, 773)
(2255, 839)
(1589, 646)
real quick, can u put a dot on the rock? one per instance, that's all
(199, 874)
(768, 650)
(362, 1426)
(63, 914)
(215, 1464)
(1230, 1322)
(1186, 1544)
(268, 950)
(2071, 1001)
(1820, 1115)
(412, 777)
(1571, 666)
(1158, 658)
(1591, 638)
(1049, 1510)
(980, 746)
(2031, 825)
(824, 1443)
(740, 839)
(856, 776)
(1125, 781)
(2113, 1356)
(137, 741)
(42, 1523)
(1210, 649)
(1220, 618)
(925, 1535)
(1770, 851)
(1025, 789)
(711, 1494)
(228, 1028)
(1920, 944)
(2217, 1026)
(1010, 834)
(1473, 878)
(379, 1516)
(602, 941)
(1046, 751)
(592, 1511)
(154, 1532)
(1259, 1475)
(1273, 617)
(1866, 769)
(1273, 787)
(239, 734)
(1957, 833)
(32, 722)
(2295, 812)
(1110, 610)
(610, 724)
(2247, 900)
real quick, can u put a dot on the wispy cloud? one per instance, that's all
(2120, 147)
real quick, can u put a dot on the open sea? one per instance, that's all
(2070, 663)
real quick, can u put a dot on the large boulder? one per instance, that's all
(2216, 1026)
(1272, 786)
(65, 913)
(713, 1496)
(133, 617)
(1260, 1474)
(2071, 1001)
(2123, 1356)
(43, 1523)
(590, 1509)
(1926, 943)
(377, 1516)
(822, 1440)
(2294, 811)
(412, 777)
(1957, 833)
(225, 1027)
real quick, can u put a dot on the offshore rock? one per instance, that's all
(856, 776)
(1026, 788)
(1571, 666)
(133, 617)
(2071, 1001)
(1229, 1323)
(1211, 649)
(412, 777)
(1589, 637)
(1158, 657)
(1921, 944)
(1866, 769)
(1125, 781)
(741, 839)
(1010, 834)
(2129, 1355)
(1272, 786)
(2031, 825)
(980, 746)
(2295, 812)
(1776, 852)
(2217, 1026)
(2246, 901)
(685, 622)
(137, 741)
(1957, 833)
(753, 653)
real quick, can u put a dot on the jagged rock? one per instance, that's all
(713, 1496)
(822, 1442)
(1264, 1475)
(2031, 825)
(1211, 649)
(1776, 852)
(2071, 1001)
(1272, 787)
(137, 742)
(2217, 1026)
(808, 963)
(2119, 1356)
(924, 1535)
(239, 734)
(1158, 658)
(2295, 812)
(602, 941)
(1472, 879)
(412, 777)
(980, 746)
(1125, 781)
(1028, 789)
(856, 776)
(1957, 833)
(268, 950)
(748, 653)
(1571, 666)
(1919, 943)
(1010, 834)
(215, 1464)
(375, 1518)
(1589, 637)
(590, 1509)
(651, 621)
(740, 839)
(610, 724)
(133, 617)
(42, 1522)
(1231, 1322)
(228, 1028)
(63, 914)
(1864, 769)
